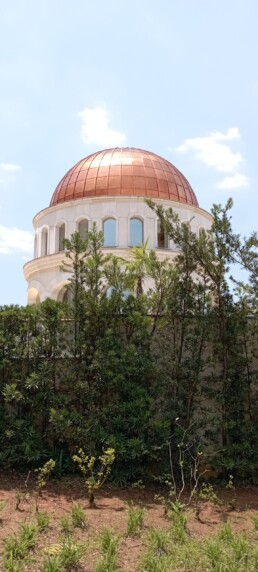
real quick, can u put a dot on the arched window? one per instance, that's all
(124, 295)
(109, 230)
(33, 296)
(83, 228)
(65, 295)
(35, 246)
(109, 292)
(201, 231)
(61, 237)
(136, 232)
(162, 236)
(44, 242)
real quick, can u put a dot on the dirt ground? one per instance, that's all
(236, 506)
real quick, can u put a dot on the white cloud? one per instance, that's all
(7, 172)
(95, 128)
(214, 151)
(14, 240)
(9, 167)
(233, 182)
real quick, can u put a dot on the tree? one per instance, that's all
(204, 263)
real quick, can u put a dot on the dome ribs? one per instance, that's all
(124, 172)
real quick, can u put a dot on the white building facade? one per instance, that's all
(109, 188)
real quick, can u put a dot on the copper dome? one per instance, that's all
(124, 172)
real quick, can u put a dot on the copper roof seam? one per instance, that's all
(111, 157)
(95, 178)
(105, 152)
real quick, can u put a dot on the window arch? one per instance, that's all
(35, 246)
(65, 295)
(162, 237)
(201, 231)
(83, 228)
(44, 242)
(136, 231)
(109, 230)
(33, 296)
(124, 294)
(61, 237)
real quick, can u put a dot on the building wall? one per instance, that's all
(43, 274)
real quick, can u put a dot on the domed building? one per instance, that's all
(109, 188)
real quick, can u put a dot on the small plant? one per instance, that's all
(108, 541)
(213, 550)
(255, 558)
(208, 494)
(138, 485)
(153, 563)
(51, 564)
(66, 525)
(21, 496)
(230, 484)
(240, 547)
(158, 541)
(157, 557)
(42, 519)
(179, 520)
(169, 503)
(186, 460)
(135, 518)
(78, 516)
(103, 565)
(10, 565)
(109, 546)
(17, 547)
(67, 554)
(2, 505)
(226, 533)
(43, 473)
(255, 521)
(95, 471)
(71, 553)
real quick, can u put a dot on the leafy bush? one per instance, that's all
(95, 471)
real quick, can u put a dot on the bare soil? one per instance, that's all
(236, 506)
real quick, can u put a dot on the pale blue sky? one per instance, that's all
(176, 78)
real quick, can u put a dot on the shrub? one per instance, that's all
(95, 471)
